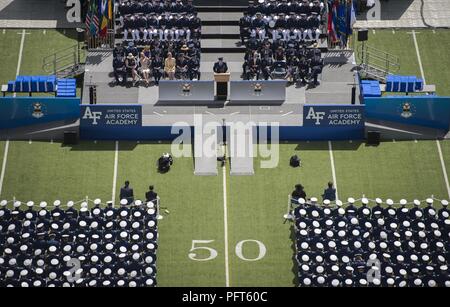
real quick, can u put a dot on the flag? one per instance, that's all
(351, 17)
(88, 20)
(110, 10)
(332, 20)
(341, 23)
(95, 20)
(104, 11)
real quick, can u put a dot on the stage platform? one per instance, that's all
(335, 87)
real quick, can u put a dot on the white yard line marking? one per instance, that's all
(225, 223)
(116, 161)
(333, 169)
(5, 159)
(19, 61)
(444, 169)
(30, 141)
(5, 154)
(441, 157)
(4, 31)
(419, 59)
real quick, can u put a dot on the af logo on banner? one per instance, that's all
(111, 116)
(333, 115)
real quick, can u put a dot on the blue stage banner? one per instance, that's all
(427, 111)
(23, 111)
(324, 116)
(111, 116)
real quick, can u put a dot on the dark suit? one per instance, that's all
(127, 193)
(220, 68)
(151, 196)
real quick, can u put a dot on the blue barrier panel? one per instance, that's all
(124, 122)
(427, 111)
(23, 111)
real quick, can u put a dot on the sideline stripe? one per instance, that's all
(5, 158)
(444, 169)
(333, 170)
(5, 154)
(438, 144)
(225, 223)
(116, 161)
(19, 61)
(419, 59)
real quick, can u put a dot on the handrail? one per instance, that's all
(63, 59)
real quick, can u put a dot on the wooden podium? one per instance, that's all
(222, 85)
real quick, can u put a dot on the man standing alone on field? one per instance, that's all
(127, 193)
(151, 195)
(329, 193)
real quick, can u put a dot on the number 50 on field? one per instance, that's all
(200, 245)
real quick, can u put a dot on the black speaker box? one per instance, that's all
(363, 35)
(70, 138)
(373, 138)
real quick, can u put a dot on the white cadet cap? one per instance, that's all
(123, 202)
(365, 201)
(138, 203)
(97, 201)
(378, 201)
(444, 203)
(301, 201)
(389, 202)
(17, 204)
(429, 201)
(56, 203)
(43, 204)
(351, 200)
(70, 204)
(403, 202)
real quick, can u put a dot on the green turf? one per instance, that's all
(9, 54)
(400, 44)
(256, 205)
(435, 62)
(35, 50)
(44, 171)
(196, 213)
(392, 170)
(445, 146)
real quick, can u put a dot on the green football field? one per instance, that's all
(226, 230)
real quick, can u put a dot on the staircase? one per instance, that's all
(377, 64)
(220, 35)
(66, 63)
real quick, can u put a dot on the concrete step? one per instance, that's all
(220, 18)
(228, 9)
(222, 4)
(226, 31)
(221, 46)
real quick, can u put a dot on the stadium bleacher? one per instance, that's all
(388, 245)
(155, 28)
(276, 35)
(99, 246)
